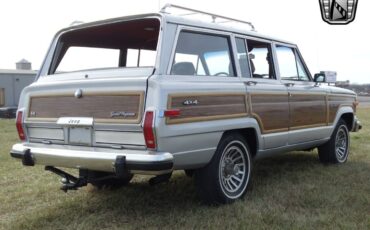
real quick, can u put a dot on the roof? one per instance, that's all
(181, 20)
(23, 61)
(18, 71)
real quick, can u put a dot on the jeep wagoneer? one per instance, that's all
(154, 93)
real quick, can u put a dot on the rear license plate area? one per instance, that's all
(80, 136)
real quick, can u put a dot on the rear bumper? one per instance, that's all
(356, 125)
(100, 159)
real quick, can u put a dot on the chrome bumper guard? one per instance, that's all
(90, 158)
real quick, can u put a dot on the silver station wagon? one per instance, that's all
(151, 94)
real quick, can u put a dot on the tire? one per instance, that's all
(110, 183)
(336, 150)
(226, 178)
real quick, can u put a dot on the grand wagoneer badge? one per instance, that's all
(122, 114)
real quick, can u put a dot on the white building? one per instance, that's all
(12, 83)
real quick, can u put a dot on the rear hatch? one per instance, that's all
(94, 91)
(103, 112)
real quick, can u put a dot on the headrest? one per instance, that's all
(183, 68)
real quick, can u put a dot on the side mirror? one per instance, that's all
(319, 78)
(325, 77)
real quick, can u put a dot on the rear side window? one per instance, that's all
(200, 54)
(260, 57)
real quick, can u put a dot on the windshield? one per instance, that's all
(123, 44)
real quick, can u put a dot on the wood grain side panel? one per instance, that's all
(271, 111)
(97, 106)
(209, 107)
(307, 110)
(335, 102)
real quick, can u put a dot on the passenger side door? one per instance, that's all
(307, 101)
(268, 98)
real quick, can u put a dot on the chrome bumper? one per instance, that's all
(100, 159)
(356, 125)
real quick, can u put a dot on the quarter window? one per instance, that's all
(290, 66)
(202, 54)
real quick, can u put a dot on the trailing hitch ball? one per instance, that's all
(69, 182)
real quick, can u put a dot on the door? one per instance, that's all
(268, 98)
(307, 101)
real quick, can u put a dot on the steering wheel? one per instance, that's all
(221, 73)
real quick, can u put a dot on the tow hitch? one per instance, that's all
(70, 182)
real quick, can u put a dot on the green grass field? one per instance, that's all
(291, 191)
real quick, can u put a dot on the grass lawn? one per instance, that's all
(291, 191)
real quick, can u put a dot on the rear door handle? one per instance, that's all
(250, 83)
(289, 84)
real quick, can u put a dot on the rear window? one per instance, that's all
(124, 44)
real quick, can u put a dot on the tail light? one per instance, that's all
(149, 130)
(19, 124)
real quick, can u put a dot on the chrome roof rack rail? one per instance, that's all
(213, 16)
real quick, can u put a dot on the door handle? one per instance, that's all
(289, 84)
(250, 83)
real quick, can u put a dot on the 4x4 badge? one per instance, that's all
(338, 12)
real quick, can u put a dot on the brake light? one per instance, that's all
(149, 130)
(19, 125)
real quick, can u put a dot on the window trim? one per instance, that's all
(229, 36)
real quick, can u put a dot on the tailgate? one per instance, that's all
(94, 112)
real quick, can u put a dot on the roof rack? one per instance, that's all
(214, 16)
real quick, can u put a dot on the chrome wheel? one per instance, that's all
(341, 144)
(234, 169)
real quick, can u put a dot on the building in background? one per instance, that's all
(12, 83)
